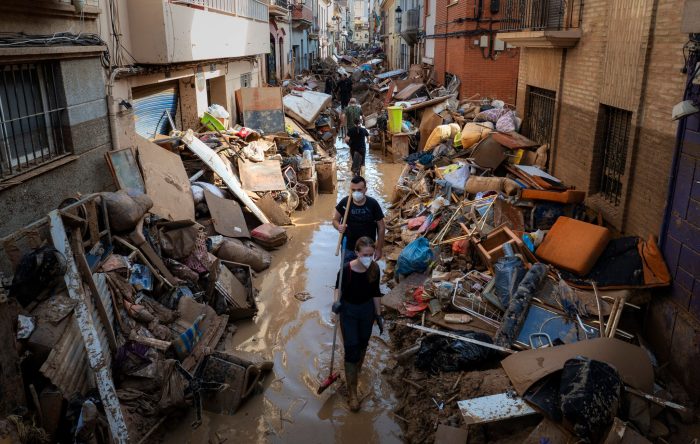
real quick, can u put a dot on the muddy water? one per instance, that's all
(297, 336)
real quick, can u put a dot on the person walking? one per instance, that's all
(365, 218)
(357, 141)
(357, 304)
(345, 90)
(352, 112)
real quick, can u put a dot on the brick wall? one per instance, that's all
(458, 55)
(672, 323)
(656, 86)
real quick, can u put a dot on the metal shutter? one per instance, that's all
(150, 103)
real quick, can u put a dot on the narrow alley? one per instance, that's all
(297, 336)
(516, 183)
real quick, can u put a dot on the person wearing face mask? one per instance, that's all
(357, 303)
(365, 218)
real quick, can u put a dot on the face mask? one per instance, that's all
(358, 195)
(366, 261)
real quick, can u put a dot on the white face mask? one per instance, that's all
(366, 261)
(358, 195)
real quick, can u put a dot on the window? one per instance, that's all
(245, 80)
(539, 115)
(31, 114)
(612, 140)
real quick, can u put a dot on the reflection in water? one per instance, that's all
(297, 336)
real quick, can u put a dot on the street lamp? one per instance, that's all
(398, 12)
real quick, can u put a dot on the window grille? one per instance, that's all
(539, 115)
(31, 114)
(613, 140)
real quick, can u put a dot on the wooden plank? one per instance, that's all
(262, 176)
(95, 353)
(166, 182)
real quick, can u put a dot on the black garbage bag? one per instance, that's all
(438, 353)
(37, 274)
(590, 394)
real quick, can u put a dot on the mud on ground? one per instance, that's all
(418, 392)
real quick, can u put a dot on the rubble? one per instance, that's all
(481, 232)
(120, 300)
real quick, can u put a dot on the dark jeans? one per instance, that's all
(356, 322)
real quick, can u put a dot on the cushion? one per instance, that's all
(573, 245)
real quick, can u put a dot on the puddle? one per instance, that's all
(297, 336)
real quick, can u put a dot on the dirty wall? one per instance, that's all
(87, 138)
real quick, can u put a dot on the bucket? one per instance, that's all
(395, 118)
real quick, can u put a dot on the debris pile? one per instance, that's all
(118, 300)
(502, 279)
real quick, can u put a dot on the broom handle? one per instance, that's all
(343, 222)
(340, 293)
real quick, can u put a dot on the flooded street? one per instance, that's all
(297, 336)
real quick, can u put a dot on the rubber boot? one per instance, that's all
(351, 380)
(363, 352)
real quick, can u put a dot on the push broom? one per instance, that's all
(332, 377)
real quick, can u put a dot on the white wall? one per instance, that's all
(430, 30)
(162, 32)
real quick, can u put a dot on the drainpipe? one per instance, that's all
(113, 107)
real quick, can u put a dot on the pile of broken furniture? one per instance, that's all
(494, 263)
(118, 302)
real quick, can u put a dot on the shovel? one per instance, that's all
(332, 377)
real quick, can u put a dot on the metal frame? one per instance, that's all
(31, 117)
(615, 127)
(541, 15)
(540, 106)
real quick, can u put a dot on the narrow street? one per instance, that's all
(298, 336)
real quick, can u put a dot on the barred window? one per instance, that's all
(614, 126)
(246, 80)
(31, 114)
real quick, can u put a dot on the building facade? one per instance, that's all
(390, 36)
(278, 62)
(465, 44)
(171, 62)
(598, 81)
(54, 123)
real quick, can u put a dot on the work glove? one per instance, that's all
(380, 323)
(336, 307)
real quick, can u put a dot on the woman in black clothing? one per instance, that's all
(358, 307)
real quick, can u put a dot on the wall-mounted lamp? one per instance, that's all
(398, 12)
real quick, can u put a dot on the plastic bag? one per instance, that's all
(458, 179)
(438, 353)
(218, 111)
(416, 257)
(590, 393)
(508, 272)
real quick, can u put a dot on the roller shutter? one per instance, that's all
(150, 103)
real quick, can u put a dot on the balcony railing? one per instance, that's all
(541, 15)
(302, 13)
(281, 3)
(252, 9)
(411, 20)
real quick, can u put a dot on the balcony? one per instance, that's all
(279, 9)
(541, 23)
(180, 31)
(302, 15)
(313, 32)
(410, 25)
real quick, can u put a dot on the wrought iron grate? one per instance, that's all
(32, 111)
(613, 140)
(539, 115)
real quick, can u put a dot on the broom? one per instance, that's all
(332, 377)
